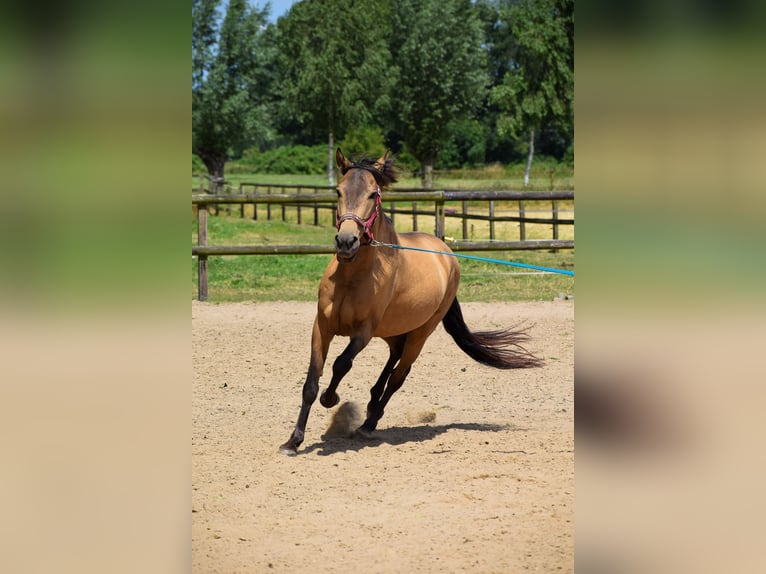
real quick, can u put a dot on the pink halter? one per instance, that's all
(365, 225)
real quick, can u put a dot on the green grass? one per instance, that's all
(296, 277)
(263, 278)
(492, 177)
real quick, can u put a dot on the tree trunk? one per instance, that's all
(530, 156)
(427, 170)
(330, 160)
(427, 175)
(214, 163)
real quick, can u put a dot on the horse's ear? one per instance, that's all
(380, 163)
(341, 161)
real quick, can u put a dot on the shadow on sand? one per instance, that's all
(396, 436)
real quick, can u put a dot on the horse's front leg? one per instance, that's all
(341, 366)
(320, 344)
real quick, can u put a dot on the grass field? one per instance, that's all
(492, 177)
(296, 277)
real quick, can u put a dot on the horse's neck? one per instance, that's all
(382, 231)
(386, 232)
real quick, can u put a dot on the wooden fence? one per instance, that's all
(316, 198)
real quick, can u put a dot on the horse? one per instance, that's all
(370, 289)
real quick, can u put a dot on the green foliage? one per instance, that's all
(203, 39)
(335, 65)
(449, 84)
(298, 159)
(465, 145)
(437, 46)
(539, 90)
(230, 95)
(569, 155)
(407, 163)
(363, 141)
(197, 165)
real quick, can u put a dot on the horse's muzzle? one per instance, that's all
(346, 246)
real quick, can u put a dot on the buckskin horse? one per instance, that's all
(374, 290)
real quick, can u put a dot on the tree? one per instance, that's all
(335, 67)
(204, 34)
(230, 92)
(498, 45)
(437, 46)
(538, 91)
(465, 144)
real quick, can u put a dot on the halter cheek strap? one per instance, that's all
(367, 224)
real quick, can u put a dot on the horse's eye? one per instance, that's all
(373, 195)
(337, 191)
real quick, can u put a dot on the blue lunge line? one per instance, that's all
(487, 259)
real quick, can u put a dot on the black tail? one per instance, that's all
(500, 349)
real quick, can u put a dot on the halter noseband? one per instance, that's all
(366, 225)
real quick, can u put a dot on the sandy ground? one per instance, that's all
(471, 470)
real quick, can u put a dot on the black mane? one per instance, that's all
(383, 177)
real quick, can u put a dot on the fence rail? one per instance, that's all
(393, 196)
(321, 197)
(530, 245)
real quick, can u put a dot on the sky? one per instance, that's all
(278, 7)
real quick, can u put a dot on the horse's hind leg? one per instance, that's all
(412, 346)
(395, 346)
(340, 367)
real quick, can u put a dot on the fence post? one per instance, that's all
(241, 205)
(555, 209)
(316, 209)
(414, 216)
(300, 218)
(439, 216)
(202, 259)
(465, 219)
(216, 183)
(268, 205)
(522, 224)
(491, 220)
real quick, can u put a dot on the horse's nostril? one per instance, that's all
(346, 242)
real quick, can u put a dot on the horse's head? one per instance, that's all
(359, 197)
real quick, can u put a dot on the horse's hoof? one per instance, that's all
(288, 450)
(364, 434)
(329, 401)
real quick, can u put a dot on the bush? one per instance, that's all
(465, 145)
(371, 142)
(197, 165)
(406, 162)
(290, 160)
(569, 155)
(363, 141)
